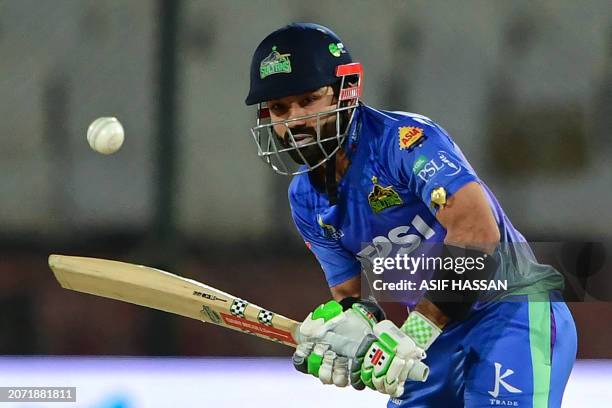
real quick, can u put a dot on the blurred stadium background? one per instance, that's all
(524, 87)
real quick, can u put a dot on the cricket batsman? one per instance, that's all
(371, 184)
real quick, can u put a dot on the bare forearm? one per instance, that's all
(349, 288)
(485, 241)
(429, 310)
(469, 223)
(468, 220)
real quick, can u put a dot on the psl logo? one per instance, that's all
(456, 168)
(426, 170)
(499, 380)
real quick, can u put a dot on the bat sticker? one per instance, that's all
(208, 296)
(212, 315)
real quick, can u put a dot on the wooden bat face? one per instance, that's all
(171, 293)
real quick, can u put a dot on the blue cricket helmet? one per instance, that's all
(295, 59)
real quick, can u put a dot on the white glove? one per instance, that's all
(351, 346)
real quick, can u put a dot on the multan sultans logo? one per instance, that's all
(381, 198)
(329, 230)
(409, 136)
(274, 63)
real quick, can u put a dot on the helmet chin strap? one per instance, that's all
(331, 186)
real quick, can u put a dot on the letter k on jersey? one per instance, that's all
(499, 379)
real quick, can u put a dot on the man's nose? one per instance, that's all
(296, 111)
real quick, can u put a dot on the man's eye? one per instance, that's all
(309, 100)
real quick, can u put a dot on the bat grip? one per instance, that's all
(418, 372)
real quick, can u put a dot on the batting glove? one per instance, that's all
(352, 346)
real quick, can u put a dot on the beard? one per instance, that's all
(314, 153)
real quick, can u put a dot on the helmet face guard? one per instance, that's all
(286, 156)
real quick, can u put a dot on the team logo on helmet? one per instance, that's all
(381, 198)
(275, 63)
(409, 136)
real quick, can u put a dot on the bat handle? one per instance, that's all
(418, 372)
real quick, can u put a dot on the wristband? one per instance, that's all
(420, 329)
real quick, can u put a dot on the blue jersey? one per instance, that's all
(386, 201)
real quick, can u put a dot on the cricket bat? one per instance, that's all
(157, 289)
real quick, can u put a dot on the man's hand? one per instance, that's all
(387, 362)
(338, 347)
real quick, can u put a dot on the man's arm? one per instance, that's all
(469, 222)
(468, 219)
(348, 288)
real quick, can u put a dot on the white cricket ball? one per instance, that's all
(105, 135)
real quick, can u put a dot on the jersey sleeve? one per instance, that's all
(425, 158)
(338, 264)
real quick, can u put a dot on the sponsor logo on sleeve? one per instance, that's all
(410, 136)
(455, 168)
(438, 197)
(419, 163)
(442, 162)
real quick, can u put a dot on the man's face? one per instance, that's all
(304, 131)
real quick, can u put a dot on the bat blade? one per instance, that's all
(171, 293)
